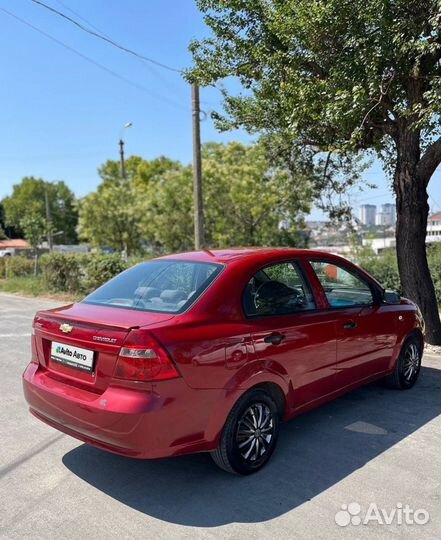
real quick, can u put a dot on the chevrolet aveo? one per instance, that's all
(209, 351)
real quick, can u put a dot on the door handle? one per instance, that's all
(350, 325)
(274, 339)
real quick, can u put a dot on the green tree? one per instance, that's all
(151, 171)
(125, 214)
(247, 201)
(110, 171)
(34, 230)
(28, 198)
(339, 75)
(110, 216)
(3, 228)
(167, 203)
(250, 202)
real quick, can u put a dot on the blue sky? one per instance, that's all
(62, 115)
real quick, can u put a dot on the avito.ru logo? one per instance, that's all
(351, 514)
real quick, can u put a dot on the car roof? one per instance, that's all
(254, 254)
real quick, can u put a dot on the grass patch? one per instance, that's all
(33, 286)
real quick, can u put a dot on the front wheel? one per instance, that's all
(249, 435)
(407, 368)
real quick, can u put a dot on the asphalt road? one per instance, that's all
(373, 447)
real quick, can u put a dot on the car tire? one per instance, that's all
(407, 366)
(250, 434)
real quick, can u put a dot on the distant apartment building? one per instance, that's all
(387, 216)
(367, 214)
(434, 228)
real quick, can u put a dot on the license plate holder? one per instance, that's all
(72, 356)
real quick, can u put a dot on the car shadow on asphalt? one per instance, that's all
(315, 451)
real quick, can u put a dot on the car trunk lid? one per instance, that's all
(78, 328)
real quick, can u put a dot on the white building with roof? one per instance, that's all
(434, 228)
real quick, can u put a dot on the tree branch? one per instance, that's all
(429, 161)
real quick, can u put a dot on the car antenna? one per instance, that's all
(209, 252)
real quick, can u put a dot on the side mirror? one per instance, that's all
(391, 297)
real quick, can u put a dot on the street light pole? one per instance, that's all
(199, 233)
(121, 154)
(121, 150)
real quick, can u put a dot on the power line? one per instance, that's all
(156, 72)
(94, 62)
(106, 39)
(65, 6)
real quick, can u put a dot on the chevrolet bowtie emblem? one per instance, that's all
(66, 328)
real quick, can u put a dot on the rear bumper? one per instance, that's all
(167, 419)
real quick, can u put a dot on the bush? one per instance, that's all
(99, 269)
(16, 266)
(79, 273)
(434, 256)
(2, 267)
(384, 267)
(62, 272)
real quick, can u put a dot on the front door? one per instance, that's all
(365, 328)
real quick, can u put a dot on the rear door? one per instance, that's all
(288, 330)
(365, 329)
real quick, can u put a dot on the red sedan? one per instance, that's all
(209, 351)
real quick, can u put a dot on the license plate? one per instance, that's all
(72, 356)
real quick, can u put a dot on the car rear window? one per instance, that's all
(166, 286)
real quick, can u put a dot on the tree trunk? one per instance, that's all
(412, 212)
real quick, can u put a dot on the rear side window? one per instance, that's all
(161, 286)
(342, 287)
(279, 289)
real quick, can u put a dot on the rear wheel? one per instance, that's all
(407, 368)
(249, 435)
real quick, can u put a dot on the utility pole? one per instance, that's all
(48, 218)
(121, 149)
(121, 153)
(199, 233)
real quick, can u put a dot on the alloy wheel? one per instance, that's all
(255, 433)
(411, 363)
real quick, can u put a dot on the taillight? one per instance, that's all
(142, 358)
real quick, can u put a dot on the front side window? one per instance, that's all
(342, 288)
(279, 289)
(166, 286)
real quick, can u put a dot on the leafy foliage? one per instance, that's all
(247, 201)
(79, 273)
(384, 267)
(331, 72)
(329, 75)
(11, 267)
(34, 228)
(100, 268)
(435, 268)
(110, 216)
(62, 272)
(166, 210)
(28, 199)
